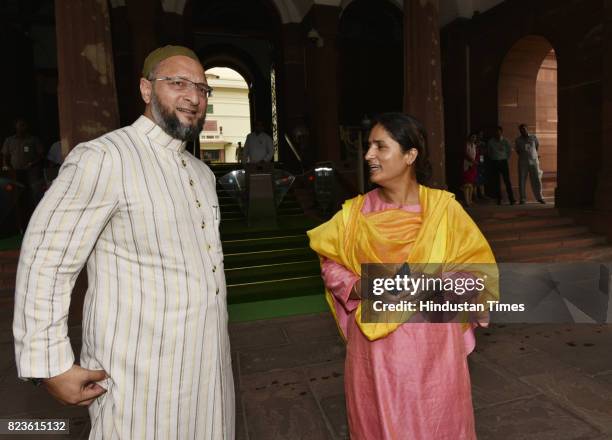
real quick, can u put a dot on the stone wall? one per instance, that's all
(574, 30)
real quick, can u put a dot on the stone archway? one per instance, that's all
(527, 93)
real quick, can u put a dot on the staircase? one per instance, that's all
(273, 272)
(537, 233)
(549, 183)
(268, 269)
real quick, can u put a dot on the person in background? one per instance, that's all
(470, 169)
(23, 154)
(481, 154)
(258, 146)
(54, 161)
(499, 151)
(239, 152)
(527, 147)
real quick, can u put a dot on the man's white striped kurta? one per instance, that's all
(143, 215)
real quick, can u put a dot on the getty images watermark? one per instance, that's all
(498, 293)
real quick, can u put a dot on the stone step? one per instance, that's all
(233, 216)
(601, 253)
(273, 289)
(245, 259)
(12, 254)
(531, 234)
(530, 210)
(8, 266)
(7, 280)
(523, 223)
(289, 210)
(252, 234)
(265, 243)
(506, 250)
(7, 298)
(226, 209)
(267, 272)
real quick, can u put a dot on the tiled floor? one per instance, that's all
(529, 382)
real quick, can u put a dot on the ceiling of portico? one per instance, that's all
(293, 11)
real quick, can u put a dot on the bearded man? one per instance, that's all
(141, 213)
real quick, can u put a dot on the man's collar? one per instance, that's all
(157, 135)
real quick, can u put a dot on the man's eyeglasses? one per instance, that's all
(179, 84)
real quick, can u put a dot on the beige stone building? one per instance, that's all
(228, 119)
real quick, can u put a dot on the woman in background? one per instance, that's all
(411, 380)
(470, 169)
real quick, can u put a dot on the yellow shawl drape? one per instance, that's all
(446, 238)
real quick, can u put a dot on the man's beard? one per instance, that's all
(171, 124)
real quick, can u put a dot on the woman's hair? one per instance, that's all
(408, 133)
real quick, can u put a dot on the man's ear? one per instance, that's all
(146, 87)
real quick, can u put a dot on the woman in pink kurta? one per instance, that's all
(413, 383)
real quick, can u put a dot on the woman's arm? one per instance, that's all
(343, 284)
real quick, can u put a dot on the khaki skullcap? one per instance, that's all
(162, 53)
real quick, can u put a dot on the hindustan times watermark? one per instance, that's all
(498, 293)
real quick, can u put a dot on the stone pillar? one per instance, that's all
(293, 96)
(134, 37)
(86, 78)
(423, 88)
(321, 82)
(87, 97)
(455, 57)
(603, 194)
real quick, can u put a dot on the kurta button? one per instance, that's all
(217, 292)
(183, 162)
(203, 225)
(214, 268)
(209, 246)
(191, 182)
(198, 203)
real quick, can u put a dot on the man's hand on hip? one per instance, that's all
(76, 386)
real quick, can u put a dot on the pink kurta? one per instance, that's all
(413, 384)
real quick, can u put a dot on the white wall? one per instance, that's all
(231, 110)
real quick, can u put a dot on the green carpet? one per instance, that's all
(297, 305)
(10, 243)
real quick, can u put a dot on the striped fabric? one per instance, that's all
(143, 215)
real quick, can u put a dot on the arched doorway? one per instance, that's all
(244, 36)
(527, 93)
(228, 116)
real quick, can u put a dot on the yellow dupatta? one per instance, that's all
(447, 237)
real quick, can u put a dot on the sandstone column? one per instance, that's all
(86, 79)
(423, 88)
(293, 95)
(603, 194)
(87, 97)
(321, 81)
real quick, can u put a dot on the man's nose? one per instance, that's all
(193, 96)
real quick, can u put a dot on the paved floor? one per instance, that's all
(529, 382)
